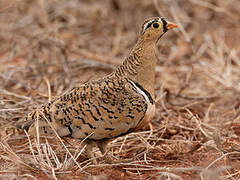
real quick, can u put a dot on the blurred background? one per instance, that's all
(49, 46)
(68, 36)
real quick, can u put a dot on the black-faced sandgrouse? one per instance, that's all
(101, 110)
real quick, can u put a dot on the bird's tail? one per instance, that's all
(34, 123)
(25, 124)
(16, 128)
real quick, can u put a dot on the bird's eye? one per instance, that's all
(155, 25)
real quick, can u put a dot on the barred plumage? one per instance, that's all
(103, 109)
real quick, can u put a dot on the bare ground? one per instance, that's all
(48, 47)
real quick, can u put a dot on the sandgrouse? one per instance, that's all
(112, 106)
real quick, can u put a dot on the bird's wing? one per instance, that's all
(101, 109)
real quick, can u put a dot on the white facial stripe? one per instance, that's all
(150, 22)
(145, 26)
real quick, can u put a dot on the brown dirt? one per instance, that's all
(48, 47)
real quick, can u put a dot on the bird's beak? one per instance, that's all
(171, 25)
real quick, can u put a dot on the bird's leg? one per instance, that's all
(102, 145)
(89, 150)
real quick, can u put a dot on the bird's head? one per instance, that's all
(154, 28)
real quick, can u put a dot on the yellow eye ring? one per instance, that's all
(155, 25)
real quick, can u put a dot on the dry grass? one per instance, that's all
(48, 47)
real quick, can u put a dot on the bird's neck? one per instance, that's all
(140, 65)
